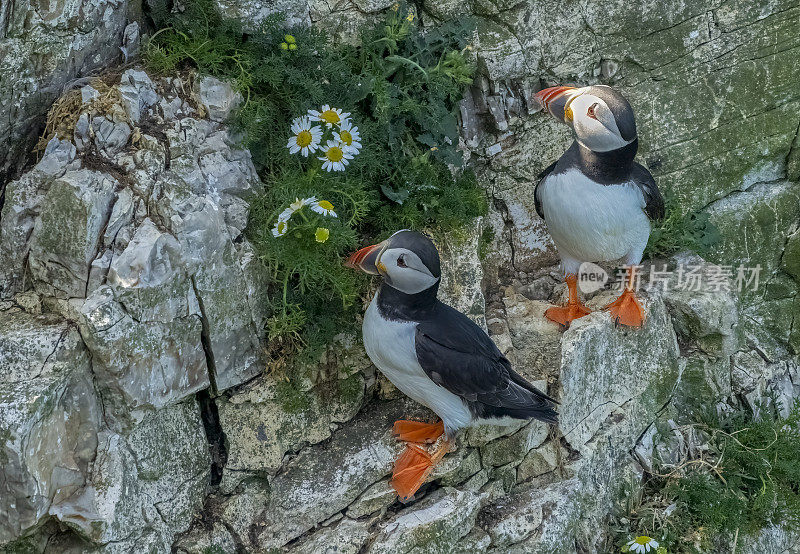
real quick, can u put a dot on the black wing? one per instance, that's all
(542, 176)
(459, 356)
(654, 202)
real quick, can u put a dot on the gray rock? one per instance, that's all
(146, 486)
(142, 365)
(21, 208)
(345, 537)
(273, 417)
(67, 234)
(539, 461)
(42, 50)
(218, 97)
(432, 525)
(376, 498)
(109, 136)
(131, 41)
(631, 370)
(462, 274)
(137, 91)
(49, 419)
(326, 478)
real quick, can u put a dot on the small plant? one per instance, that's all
(745, 478)
(681, 231)
(371, 130)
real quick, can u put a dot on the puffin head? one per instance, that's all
(600, 116)
(408, 261)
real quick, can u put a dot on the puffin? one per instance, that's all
(596, 201)
(437, 356)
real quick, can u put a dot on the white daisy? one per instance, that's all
(329, 116)
(286, 214)
(642, 544)
(323, 207)
(336, 156)
(280, 229)
(349, 136)
(306, 138)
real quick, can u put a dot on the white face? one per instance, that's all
(594, 124)
(404, 271)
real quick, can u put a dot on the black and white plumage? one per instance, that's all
(433, 353)
(596, 200)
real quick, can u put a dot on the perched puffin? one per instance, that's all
(596, 201)
(436, 355)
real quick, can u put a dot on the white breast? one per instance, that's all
(391, 345)
(590, 222)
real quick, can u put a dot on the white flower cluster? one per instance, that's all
(344, 142)
(322, 207)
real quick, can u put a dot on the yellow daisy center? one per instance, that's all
(304, 138)
(330, 116)
(322, 234)
(334, 154)
(642, 540)
(282, 227)
(346, 137)
(325, 205)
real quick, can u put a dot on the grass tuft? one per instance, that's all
(744, 477)
(680, 231)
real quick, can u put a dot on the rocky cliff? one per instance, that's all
(135, 410)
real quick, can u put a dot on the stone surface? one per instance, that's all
(272, 418)
(49, 419)
(432, 526)
(145, 304)
(43, 48)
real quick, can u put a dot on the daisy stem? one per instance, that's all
(285, 289)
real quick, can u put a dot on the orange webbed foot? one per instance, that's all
(418, 431)
(412, 468)
(410, 471)
(626, 310)
(564, 315)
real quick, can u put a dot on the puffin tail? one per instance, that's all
(541, 405)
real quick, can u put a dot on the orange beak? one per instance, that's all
(555, 100)
(367, 259)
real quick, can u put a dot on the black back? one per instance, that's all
(458, 355)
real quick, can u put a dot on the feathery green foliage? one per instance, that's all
(401, 85)
(748, 479)
(680, 231)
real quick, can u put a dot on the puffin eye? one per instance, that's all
(591, 110)
(401, 262)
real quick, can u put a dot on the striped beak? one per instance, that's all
(367, 259)
(556, 100)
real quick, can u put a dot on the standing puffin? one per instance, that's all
(436, 355)
(596, 201)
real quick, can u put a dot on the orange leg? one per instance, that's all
(564, 315)
(626, 310)
(412, 468)
(418, 431)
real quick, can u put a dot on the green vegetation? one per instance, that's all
(401, 87)
(747, 479)
(484, 242)
(680, 231)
